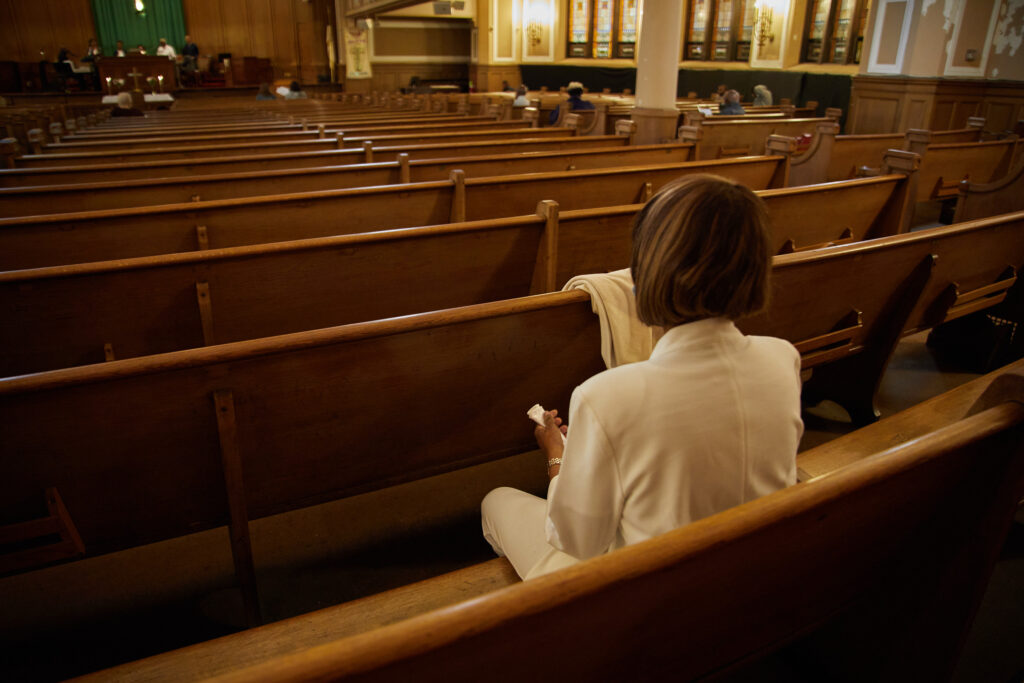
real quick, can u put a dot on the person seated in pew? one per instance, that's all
(521, 100)
(576, 101)
(718, 96)
(295, 92)
(264, 92)
(140, 49)
(731, 103)
(125, 107)
(710, 421)
(762, 96)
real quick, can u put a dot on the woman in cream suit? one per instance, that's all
(710, 421)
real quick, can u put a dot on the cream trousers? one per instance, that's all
(513, 523)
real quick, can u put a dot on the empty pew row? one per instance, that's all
(828, 544)
(979, 199)
(237, 431)
(845, 155)
(722, 139)
(214, 150)
(319, 131)
(35, 241)
(47, 199)
(76, 315)
(166, 168)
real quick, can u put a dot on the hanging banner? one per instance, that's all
(357, 52)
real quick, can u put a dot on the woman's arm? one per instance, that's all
(585, 501)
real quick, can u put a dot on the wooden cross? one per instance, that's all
(135, 75)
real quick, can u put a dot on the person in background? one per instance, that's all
(576, 101)
(65, 55)
(189, 56)
(762, 96)
(165, 50)
(125, 107)
(295, 92)
(119, 50)
(505, 87)
(710, 421)
(719, 95)
(521, 99)
(264, 92)
(92, 51)
(140, 50)
(731, 103)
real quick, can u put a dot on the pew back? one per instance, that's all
(123, 233)
(48, 199)
(262, 162)
(75, 315)
(884, 561)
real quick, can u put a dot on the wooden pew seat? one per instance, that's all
(903, 539)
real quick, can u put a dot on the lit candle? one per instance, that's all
(110, 88)
(160, 80)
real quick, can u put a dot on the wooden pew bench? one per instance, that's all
(74, 315)
(29, 177)
(319, 131)
(976, 199)
(823, 581)
(203, 151)
(121, 233)
(178, 131)
(722, 139)
(46, 199)
(247, 429)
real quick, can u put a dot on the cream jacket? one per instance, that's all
(710, 421)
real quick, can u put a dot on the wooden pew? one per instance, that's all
(944, 166)
(838, 157)
(318, 131)
(74, 315)
(121, 233)
(215, 150)
(980, 199)
(309, 414)
(28, 177)
(883, 564)
(721, 139)
(46, 199)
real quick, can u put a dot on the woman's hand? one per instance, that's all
(549, 439)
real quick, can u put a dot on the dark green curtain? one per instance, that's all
(117, 20)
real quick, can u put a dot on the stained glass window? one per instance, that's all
(603, 29)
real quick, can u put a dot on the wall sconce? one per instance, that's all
(763, 32)
(140, 8)
(538, 18)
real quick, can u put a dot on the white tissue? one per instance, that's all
(536, 413)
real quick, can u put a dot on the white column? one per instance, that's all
(658, 51)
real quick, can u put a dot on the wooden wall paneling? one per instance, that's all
(261, 29)
(309, 40)
(11, 45)
(32, 20)
(286, 49)
(236, 28)
(73, 22)
(204, 23)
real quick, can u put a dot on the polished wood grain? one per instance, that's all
(68, 315)
(896, 549)
(121, 233)
(96, 196)
(162, 168)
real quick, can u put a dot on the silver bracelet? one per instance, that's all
(554, 461)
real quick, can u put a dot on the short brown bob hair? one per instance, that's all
(701, 249)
